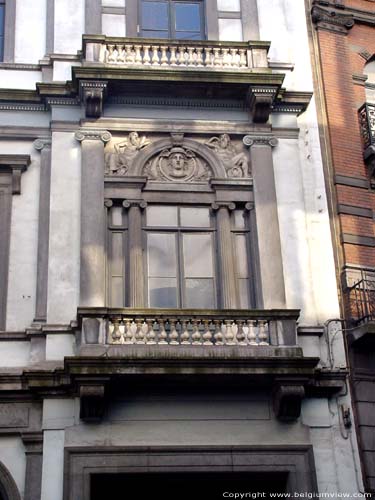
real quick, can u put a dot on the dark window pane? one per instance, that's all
(162, 292)
(155, 34)
(155, 16)
(187, 35)
(187, 17)
(199, 293)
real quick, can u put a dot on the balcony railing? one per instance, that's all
(174, 54)
(366, 115)
(361, 297)
(188, 327)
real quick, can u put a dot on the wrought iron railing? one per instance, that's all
(366, 115)
(361, 298)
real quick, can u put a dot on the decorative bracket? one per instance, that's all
(92, 94)
(14, 165)
(331, 19)
(287, 399)
(92, 400)
(260, 101)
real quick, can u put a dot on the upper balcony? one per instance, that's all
(366, 116)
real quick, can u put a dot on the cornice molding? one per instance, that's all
(14, 165)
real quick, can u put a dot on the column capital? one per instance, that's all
(42, 142)
(108, 203)
(93, 135)
(223, 204)
(134, 203)
(260, 140)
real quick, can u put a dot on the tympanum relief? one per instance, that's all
(181, 161)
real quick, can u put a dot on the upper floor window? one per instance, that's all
(178, 19)
(2, 25)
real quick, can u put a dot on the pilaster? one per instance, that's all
(136, 271)
(44, 146)
(92, 270)
(226, 260)
(33, 443)
(268, 234)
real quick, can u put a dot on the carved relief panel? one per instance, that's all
(177, 158)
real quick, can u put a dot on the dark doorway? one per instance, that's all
(184, 486)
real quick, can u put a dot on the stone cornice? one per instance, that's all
(93, 135)
(14, 165)
(358, 15)
(260, 140)
(339, 18)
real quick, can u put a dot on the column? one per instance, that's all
(44, 146)
(33, 443)
(268, 234)
(92, 270)
(136, 272)
(226, 260)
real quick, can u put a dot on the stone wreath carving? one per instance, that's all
(177, 164)
(119, 161)
(236, 163)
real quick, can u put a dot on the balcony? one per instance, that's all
(361, 309)
(366, 116)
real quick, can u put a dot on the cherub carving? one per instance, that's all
(119, 161)
(236, 164)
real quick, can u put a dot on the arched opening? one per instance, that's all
(8, 487)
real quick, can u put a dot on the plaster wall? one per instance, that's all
(14, 354)
(64, 243)
(19, 79)
(69, 26)
(24, 119)
(30, 43)
(12, 455)
(58, 346)
(53, 465)
(23, 240)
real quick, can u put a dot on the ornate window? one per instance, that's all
(178, 19)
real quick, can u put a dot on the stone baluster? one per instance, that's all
(138, 56)
(191, 60)
(229, 335)
(173, 334)
(185, 336)
(218, 336)
(129, 54)
(162, 333)
(92, 276)
(226, 57)
(271, 293)
(164, 57)
(199, 61)
(155, 55)
(139, 333)
(196, 335)
(208, 57)
(150, 335)
(234, 57)
(207, 335)
(263, 332)
(182, 58)
(111, 56)
(136, 273)
(121, 56)
(116, 333)
(240, 335)
(226, 261)
(217, 58)
(251, 335)
(173, 58)
(146, 55)
(243, 62)
(128, 334)
(44, 146)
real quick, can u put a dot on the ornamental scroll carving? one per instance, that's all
(235, 162)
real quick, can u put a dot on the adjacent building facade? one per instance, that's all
(169, 312)
(345, 32)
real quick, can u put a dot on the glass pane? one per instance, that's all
(162, 292)
(199, 293)
(154, 15)
(117, 291)
(239, 219)
(155, 34)
(161, 251)
(187, 16)
(241, 256)
(197, 249)
(243, 288)
(228, 5)
(195, 217)
(188, 35)
(161, 216)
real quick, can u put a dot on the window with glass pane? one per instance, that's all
(180, 257)
(2, 25)
(241, 240)
(176, 19)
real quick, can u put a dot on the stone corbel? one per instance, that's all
(287, 399)
(331, 19)
(14, 165)
(260, 101)
(92, 94)
(92, 399)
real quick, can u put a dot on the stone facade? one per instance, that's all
(170, 301)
